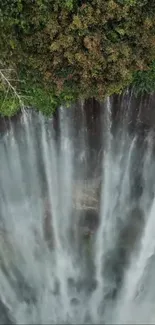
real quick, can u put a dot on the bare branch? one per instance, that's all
(6, 81)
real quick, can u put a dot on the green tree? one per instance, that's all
(82, 48)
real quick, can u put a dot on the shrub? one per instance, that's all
(83, 48)
(144, 81)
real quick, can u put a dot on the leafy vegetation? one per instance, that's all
(144, 81)
(64, 49)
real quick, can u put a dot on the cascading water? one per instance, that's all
(55, 267)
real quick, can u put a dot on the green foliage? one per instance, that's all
(133, 2)
(37, 97)
(72, 48)
(144, 81)
(69, 4)
(9, 105)
(41, 100)
(29, 94)
(46, 100)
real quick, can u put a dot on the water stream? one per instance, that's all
(77, 225)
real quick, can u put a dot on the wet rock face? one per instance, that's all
(6, 122)
(147, 111)
(133, 230)
(136, 112)
(86, 195)
(88, 213)
(47, 224)
(89, 222)
(86, 202)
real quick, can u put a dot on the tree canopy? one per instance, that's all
(72, 48)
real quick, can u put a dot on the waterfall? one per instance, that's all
(77, 239)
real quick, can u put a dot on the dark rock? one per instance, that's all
(89, 222)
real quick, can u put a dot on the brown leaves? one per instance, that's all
(98, 44)
(92, 43)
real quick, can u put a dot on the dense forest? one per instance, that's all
(55, 51)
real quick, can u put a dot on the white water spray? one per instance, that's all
(51, 269)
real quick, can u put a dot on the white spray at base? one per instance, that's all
(51, 272)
